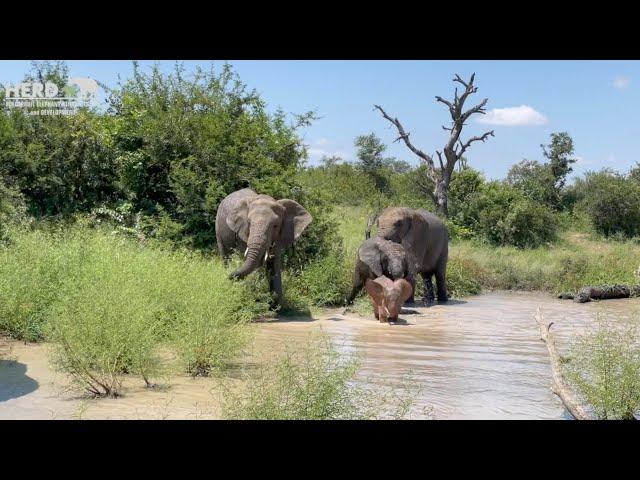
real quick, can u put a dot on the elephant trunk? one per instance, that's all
(257, 244)
(388, 234)
(396, 269)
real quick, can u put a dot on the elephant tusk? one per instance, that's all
(245, 252)
(266, 254)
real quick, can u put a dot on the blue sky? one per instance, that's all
(595, 101)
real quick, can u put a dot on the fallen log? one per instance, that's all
(602, 292)
(560, 386)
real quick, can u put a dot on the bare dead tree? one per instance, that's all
(454, 149)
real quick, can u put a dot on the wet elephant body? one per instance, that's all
(425, 239)
(262, 228)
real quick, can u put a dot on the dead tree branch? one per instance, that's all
(454, 148)
(560, 387)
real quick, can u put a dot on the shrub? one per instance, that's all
(313, 384)
(107, 303)
(36, 270)
(464, 277)
(109, 321)
(503, 216)
(12, 210)
(322, 283)
(605, 368)
(210, 316)
(611, 201)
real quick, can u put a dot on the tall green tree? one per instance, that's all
(371, 160)
(559, 153)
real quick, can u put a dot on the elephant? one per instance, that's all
(262, 228)
(425, 239)
(377, 257)
(388, 296)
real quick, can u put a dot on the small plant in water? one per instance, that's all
(316, 382)
(604, 367)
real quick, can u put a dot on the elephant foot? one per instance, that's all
(427, 302)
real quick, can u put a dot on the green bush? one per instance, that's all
(12, 210)
(605, 369)
(210, 315)
(322, 283)
(312, 384)
(503, 216)
(107, 303)
(105, 329)
(464, 277)
(36, 270)
(611, 201)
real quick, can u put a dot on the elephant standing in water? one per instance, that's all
(261, 227)
(426, 241)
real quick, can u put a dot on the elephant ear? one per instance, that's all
(371, 256)
(375, 291)
(295, 220)
(238, 221)
(405, 289)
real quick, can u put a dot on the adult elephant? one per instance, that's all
(262, 228)
(426, 241)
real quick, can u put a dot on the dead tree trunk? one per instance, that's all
(454, 148)
(560, 387)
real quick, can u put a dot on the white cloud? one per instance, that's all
(513, 116)
(621, 82)
(321, 141)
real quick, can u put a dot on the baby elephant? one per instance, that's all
(388, 296)
(378, 257)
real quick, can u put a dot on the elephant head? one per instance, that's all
(266, 226)
(385, 257)
(388, 296)
(405, 226)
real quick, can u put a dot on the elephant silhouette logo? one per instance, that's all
(82, 88)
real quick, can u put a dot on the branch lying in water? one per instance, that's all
(603, 292)
(560, 387)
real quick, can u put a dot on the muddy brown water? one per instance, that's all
(477, 358)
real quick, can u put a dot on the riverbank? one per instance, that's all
(480, 357)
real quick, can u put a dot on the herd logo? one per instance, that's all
(46, 98)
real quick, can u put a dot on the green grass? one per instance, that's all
(108, 304)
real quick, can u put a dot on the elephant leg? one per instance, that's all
(358, 283)
(428, 296)
(441, 282)
(274, 267)
(412, 280)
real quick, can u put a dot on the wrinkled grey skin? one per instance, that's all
(425, 239)
(260, 227)
(379, 257)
